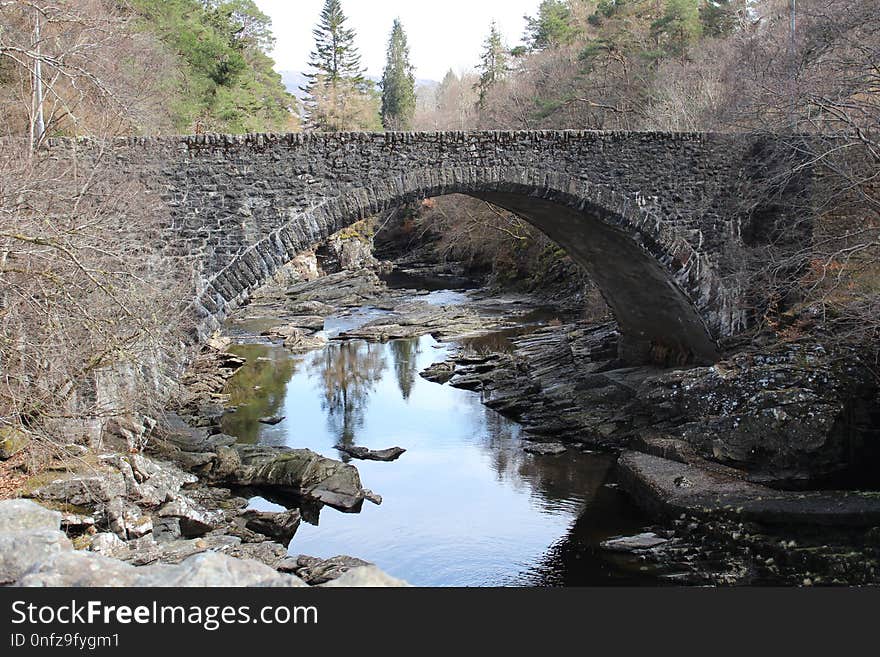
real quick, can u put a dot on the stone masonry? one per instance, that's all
(652, 217)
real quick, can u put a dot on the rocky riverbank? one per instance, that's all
(736, 461)
(741, 461)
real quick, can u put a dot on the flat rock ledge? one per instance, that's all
(35, 552)
(673, 488)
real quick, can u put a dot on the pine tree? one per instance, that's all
(398, 83)
(553, 26)
(679, 26)
(493, 63)
(338, 76)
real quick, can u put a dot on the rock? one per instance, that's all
(311, 308)
(656, 484)
(375, 498)
(20, 550)
(301, 341)
(271, 420)
(80, 568)
(358, 452)
(83, 490)
(107, 543)
(193, 520)
(314, 570)
(545, 449)
(12, 441)
(295, 325)
(92, 569)
(280, 526)
(76, 523)
(25, 515)
(299, 472)
(130, 431)
(365, 576)
(213, 569)
(788, 414)
(439, 372)
(642, 541)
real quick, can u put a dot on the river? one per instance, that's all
(464, 505)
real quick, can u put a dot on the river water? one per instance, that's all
(464, 505)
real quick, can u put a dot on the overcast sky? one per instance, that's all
(442, 34)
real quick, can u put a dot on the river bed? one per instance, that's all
(464, 505)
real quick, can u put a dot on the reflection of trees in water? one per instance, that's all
(405, 353)
(268, 369)
(552, 480)
(348, 372)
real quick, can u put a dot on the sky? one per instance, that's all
(442, 34)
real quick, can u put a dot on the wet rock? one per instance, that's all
(545, 449)
(656, 484)
(301, 341)
(365, 576)
(311, 308)
(280, 526)
(439, 372)
(275, 419)
(365, 453)
(642, 541)
(375, 498)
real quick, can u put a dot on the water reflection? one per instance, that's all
(465, 505)
(258, 389)
(405, 354)
(346, 372)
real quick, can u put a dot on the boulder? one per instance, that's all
(299, 472)
(365, 576)
(80, 568)
(790, 414)
(279, 526)
(12, 441)
(193, 520)
(83, 490)
(25, 515)
(314, 570)
(214, 569)
(20, 550)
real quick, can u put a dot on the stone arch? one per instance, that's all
(664, 294)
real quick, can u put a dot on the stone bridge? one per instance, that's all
(652, 217)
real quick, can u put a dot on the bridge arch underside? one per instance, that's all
(665, 297)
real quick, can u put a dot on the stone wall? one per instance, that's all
(651, 216)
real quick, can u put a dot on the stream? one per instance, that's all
(464, 505)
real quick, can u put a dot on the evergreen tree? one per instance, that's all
(338, 78)
(398, 83)
(553, 26)
(679, 26)
(493, 63)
